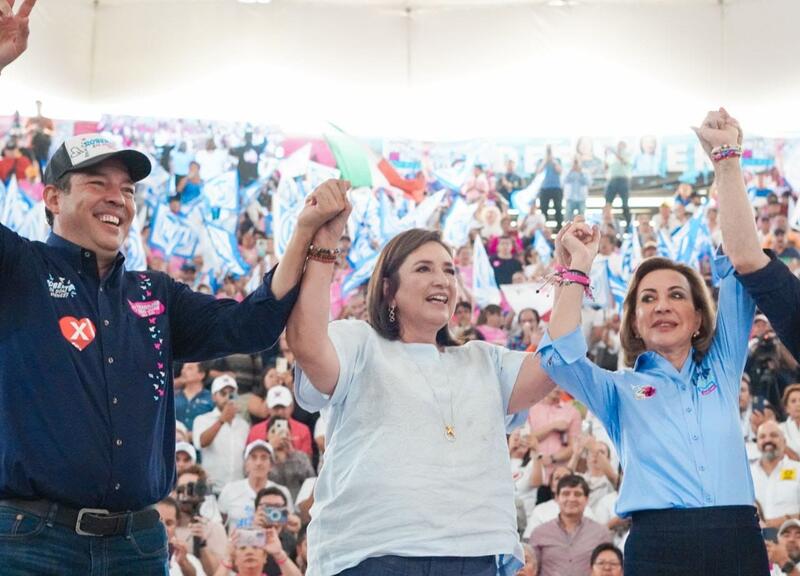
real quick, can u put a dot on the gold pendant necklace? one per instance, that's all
(449, 428)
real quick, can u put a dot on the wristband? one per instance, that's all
(723, 152)
(325, 255)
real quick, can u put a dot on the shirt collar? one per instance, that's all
(649, 361)
(78, 256)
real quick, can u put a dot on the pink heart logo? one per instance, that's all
(152, 320)
(149, 293)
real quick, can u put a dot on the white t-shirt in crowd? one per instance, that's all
(223, 459)
(792, 433)
(604, 511)
(175, 570)
(779, 493)
(237, 500)
(392, 482)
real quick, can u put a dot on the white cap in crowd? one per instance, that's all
(224, 381)
(279, 396)
(255, 444)
(188, 448)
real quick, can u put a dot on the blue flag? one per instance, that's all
(172, 233)
(542, 247)
(457, 222)
(360, 275)
(226, 250)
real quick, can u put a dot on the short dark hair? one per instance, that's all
(271, 491)
(64, 183)
(195, 469)
(573, 481)
(602, 548)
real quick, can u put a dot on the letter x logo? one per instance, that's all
(78, 332)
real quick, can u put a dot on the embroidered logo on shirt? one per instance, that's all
(643, 392)
(703, 381)
(78, 332)
(147, 308)
(788, 474)
(61, 288)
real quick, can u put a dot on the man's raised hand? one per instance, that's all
(14, 30)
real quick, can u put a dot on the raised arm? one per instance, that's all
(739, 236)
(533, 383)
(307, 329)
(14, 30)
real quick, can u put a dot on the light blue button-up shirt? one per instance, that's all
(677, 432)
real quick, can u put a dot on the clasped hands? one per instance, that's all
(325, 213)
(576, 245)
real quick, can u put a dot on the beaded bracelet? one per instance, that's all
(325, 255)
(723, 152)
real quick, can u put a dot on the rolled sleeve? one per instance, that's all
(565, 361)
(776, 291)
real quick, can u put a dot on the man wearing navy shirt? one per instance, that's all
(87, 417)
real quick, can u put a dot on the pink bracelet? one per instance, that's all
(724, 152)
(564, 276)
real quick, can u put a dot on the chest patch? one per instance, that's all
(788, 474)
(704, 381)
(60, 287)
(147, 308)
(79, 332)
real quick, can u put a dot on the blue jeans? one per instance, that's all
(575, 207)
(32, 546)
(424, 566)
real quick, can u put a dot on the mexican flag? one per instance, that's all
(364, 168)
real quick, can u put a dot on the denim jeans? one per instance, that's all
(32, 546)
(424, 566)
(575, 207)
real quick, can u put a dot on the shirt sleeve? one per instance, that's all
(735, 312)
(199, 426)
(204, 327)
(565, 361)
(10, 243)
(349, 338)
(777, 293)
(507, 364)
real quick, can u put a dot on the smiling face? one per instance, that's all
(572, 501)
(97, 212)
(426, 291)
(666, 317)
(770, 440)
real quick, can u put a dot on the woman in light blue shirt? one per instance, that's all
(673, 417)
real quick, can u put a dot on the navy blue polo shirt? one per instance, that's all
(87, 414)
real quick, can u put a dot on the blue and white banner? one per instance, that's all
(172, 233)
(14, 205)
(521, 200)
(542, 247)
(359, 275)
(135, 255)
(484, 284)
(299, 177)
(458, 221)
(226, 250)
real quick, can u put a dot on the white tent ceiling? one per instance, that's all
(444, 69)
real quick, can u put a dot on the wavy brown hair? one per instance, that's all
(388, 268)
(632, 345)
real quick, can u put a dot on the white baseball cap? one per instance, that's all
(224, 381)
(279, 396)
(259, 444)
(188, 448)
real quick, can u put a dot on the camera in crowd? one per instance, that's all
(764, 364)
(276, 515)
(191, 497)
